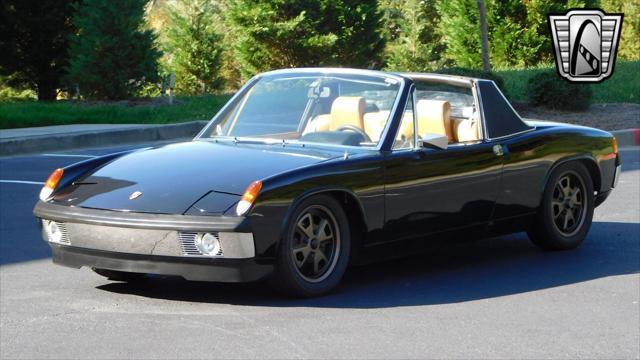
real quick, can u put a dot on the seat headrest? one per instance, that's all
(347, 110)
(433, 118)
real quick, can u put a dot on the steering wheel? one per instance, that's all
(355, 129)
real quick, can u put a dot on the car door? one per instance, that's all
(430, 190)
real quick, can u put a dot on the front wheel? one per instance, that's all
(566, 211)
(314, 253)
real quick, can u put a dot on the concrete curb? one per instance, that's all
(148, 133)
(144, 133)
(628, 137)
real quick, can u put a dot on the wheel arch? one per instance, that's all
(588, 161)
(351, 205)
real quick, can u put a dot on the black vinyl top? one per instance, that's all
(500, 118)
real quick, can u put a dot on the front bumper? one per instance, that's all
(195, 269)
(616, 176)
(152, 243)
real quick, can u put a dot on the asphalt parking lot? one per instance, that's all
(495, 298)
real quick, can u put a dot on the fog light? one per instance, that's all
(55, 234)
(208, 244)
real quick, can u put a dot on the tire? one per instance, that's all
(566, 211)
(119, 275)
(309, 238)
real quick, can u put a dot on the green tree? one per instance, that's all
(293, 33)
(414, 42)
(518, 30)
(112, 56)
(194, 47)
(519, 33)
(34, 43)
(460, 26)
(629, 45)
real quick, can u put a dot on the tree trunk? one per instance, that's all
(46, 90)
(484, 36)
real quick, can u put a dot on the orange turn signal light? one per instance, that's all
(614, 145)
(252, 192)
(248, 197)
(51, 184)
(54, 179)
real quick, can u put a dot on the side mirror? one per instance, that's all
(434, 140)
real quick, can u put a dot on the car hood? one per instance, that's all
(170, 179)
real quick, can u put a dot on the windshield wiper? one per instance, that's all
(254, 140)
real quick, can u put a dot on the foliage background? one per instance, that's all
(121, 49)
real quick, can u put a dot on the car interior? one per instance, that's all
(352, 112)
(434, 117)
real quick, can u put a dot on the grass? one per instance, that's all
(623, 86)
(19, 114)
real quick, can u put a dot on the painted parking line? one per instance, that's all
(22, 182)
(70, 155)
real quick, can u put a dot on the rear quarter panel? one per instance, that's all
(533, 156)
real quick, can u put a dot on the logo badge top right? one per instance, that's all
(585, 41)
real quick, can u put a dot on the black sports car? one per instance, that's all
(306, 171)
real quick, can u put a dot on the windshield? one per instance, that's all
(338, 109)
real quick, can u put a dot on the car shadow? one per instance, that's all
(483, 269)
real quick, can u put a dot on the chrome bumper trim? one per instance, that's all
(150, 241)
(616, 176)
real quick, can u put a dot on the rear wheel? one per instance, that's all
(314, 253)
(566, 212)
(119, 275)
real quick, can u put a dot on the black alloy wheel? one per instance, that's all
(566, 210)
(314, 252)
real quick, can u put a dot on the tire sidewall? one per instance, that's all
(287, 277)
(555, 237)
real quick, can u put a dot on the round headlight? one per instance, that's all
(54, 232)
(208, 244)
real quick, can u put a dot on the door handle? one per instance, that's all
(498, 150)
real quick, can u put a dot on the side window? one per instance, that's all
(460, 113)
(405, 136)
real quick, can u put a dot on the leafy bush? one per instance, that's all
(476, 73)
(550, 90)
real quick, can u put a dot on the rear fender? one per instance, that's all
(589, 162)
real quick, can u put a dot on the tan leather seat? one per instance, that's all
(319, 123)
(433, 118)
(466, 130)
(347, 110)
(374, 123)
(406, 126)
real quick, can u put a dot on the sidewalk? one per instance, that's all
(62, 137)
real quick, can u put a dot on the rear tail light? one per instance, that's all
(51, 184)
(248, 197)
